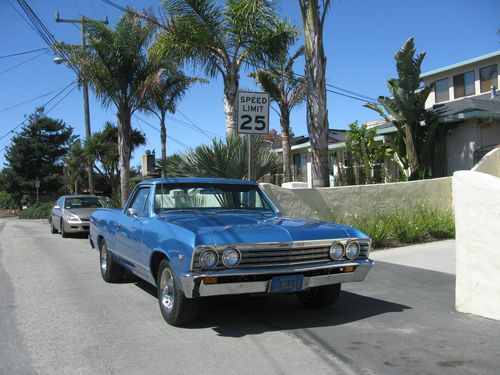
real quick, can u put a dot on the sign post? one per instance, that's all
(253, 119)
(37, 185)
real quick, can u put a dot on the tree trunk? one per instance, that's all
(163, 138)
(411, 153)
(317, 113)
(124, 151)
(230, 105)
(285, 144)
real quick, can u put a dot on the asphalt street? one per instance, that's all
(57, 316)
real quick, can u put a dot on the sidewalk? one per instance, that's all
(435, 256)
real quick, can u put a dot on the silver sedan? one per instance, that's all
(71, 213)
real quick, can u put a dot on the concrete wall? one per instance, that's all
(476, 200)
(490, 163)
(326, 203)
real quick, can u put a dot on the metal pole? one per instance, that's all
(251, 157)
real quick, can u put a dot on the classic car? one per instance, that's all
(71, 213)
(192, 238)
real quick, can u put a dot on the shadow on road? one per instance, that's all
(238, 316)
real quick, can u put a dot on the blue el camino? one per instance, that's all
(197, 237)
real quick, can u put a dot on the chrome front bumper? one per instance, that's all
(194, 286)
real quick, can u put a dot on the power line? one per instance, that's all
(24, 62)
(158, 130)
(23, 53)
(44, 105)
(29, 100)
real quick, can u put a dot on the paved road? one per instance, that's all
(58, 317)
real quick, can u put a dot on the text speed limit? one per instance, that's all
(253, 112)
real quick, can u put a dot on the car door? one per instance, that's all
(130, 229)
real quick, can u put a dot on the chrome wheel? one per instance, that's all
(167, 290)
(104, 259)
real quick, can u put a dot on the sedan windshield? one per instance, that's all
(82, 202)
(208, 196)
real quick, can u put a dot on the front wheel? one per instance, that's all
(175, 308)
(321, 296)
(111, 271)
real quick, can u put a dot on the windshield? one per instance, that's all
(83, 202)
(208, 196)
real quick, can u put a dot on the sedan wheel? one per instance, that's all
(63, 232)
(175, 308)
(53, 229)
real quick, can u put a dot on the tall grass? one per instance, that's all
(402, 225)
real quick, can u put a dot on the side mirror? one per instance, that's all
(56, 207)
(131, 212)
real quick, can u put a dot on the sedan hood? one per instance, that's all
(244, 227)
(82, 213)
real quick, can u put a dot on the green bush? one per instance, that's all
(403, 225)
(37, 211)
(7, 201)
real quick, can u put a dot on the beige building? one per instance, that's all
(467, 103)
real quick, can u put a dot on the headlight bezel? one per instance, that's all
(72, 218)
(224, 256)
(358, 246)
(203, 264)
(332, 252)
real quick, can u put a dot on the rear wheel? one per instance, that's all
(321, 296)
(53, 229)
(111, 271)
(63, 232)
(175, 308)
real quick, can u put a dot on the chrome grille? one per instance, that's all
(272, 254)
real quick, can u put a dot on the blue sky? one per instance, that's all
(360, 39)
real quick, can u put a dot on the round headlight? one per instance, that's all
(231, 257)
(352, 250)
(337, 251)
(209, 259)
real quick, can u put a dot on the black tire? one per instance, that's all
(321, 296)
(111, 271)
(63, 232)
(176, 309)
(53, 229)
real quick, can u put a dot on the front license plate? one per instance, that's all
(286, 284)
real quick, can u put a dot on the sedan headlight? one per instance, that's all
(231, 257)
(72, 218)
(352, 250)
(337, 251)
(209, 259)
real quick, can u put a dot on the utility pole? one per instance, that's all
(82, 21)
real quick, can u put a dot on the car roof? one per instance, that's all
(196, 180)
(78, 196)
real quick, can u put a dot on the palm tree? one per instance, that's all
(313, 19)
(101, 148)
(73, 166)
(164, 90)
(287, 90)
(223, 158)
(116, 66)
(221, 40)
(405, 109)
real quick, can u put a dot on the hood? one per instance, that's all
(243, 227)
(82, 213)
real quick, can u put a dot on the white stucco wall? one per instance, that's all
(490, 163)
(326, 203)
(476, 200)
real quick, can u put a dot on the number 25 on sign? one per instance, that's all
(253, 112)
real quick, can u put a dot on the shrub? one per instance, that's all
(37, 211)
(7, 201)
(403, 226)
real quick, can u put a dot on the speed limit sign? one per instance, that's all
(253, 112)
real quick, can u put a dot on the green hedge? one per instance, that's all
(403, 225)
(37, 211)
(7, 201)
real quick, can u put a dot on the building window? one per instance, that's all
(488, 77)
(441, 90)
(463, 84)
(300, 167)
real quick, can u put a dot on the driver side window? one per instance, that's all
(140, 202)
